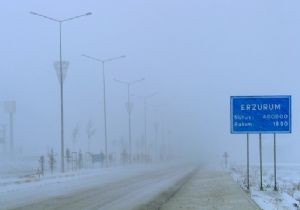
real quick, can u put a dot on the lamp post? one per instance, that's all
(61, 75)
(103, 61)
(159, 125)
(10, 108)
(145, 100)
(3, 136)
(129, 108)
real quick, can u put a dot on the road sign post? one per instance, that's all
(260, 162)
(248, 182)
(275, 174)
(226, 156)
(260, 115)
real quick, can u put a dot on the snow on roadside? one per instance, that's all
(288, 182)
(17, 167)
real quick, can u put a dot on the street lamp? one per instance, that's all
(103, 61)
(61, 75)
(3, 136)
(10, 108)
(129, 107)
(158, 145)
(145, 98)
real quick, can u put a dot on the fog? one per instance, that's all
(194, 54)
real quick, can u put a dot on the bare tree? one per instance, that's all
(90, 131)
(75, 135)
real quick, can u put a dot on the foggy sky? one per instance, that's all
(195, 53)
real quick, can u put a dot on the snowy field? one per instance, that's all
(21, 166)
(288, 183)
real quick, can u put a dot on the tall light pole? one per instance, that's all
(145, 100)
(61, 76)
(103, 61)
(158, 125)
(10, 108)
(3, 136)
(129, 108)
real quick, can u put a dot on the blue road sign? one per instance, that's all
(260, 114)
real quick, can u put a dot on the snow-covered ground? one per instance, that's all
(21, 191)
(210, 189)
(19, 166)
(288, 183)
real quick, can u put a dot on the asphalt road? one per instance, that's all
(170, 188)
(129, 193)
